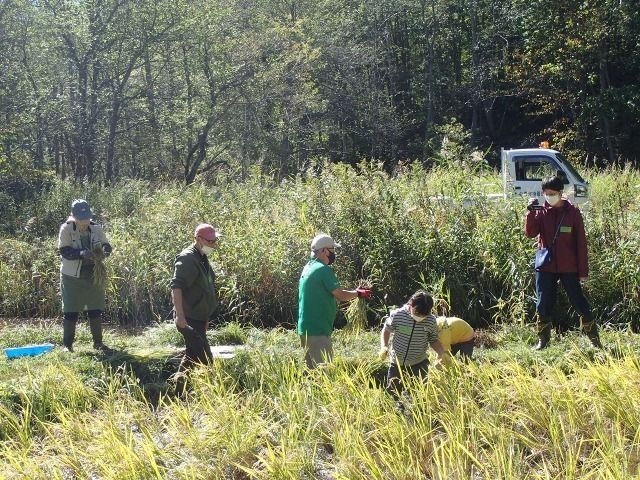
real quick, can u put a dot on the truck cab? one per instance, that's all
(524, 169)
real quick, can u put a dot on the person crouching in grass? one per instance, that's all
(456, 336)
(406, 335)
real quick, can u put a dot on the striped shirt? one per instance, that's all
(410, 339)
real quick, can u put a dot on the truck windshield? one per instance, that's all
(569, 167)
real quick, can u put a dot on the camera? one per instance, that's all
(534, 205)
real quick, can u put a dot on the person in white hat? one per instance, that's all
(318, 294)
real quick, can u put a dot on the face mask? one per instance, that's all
(417, 318)
(552, 199)
(331, 257)
(206, 249)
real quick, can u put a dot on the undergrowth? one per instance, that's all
(567, 412)
(398, 233)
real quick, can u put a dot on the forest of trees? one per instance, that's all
(176, 89)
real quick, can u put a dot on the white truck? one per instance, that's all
(523, 170)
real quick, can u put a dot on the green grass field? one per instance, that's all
(567, 412)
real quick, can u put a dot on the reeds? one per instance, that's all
(356, 312)
(393, 230)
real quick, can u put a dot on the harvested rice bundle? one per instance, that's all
(100, 273)
(356, 312)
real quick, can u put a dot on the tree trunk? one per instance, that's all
(604, 86)
(111, 141)
(476, 94)
(151, 99)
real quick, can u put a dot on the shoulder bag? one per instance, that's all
(545, 255)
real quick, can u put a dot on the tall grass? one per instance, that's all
(398, 232)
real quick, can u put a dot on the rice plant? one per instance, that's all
(511, 413)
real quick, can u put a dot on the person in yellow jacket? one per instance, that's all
(456, 335)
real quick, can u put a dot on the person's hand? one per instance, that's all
(363, 292)
(533, 204)
(106, 248)
(85, 253)
(382, 354)
(445, 359)
(181, 321)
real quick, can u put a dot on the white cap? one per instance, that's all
(321, 241)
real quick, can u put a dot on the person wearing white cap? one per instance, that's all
(194, 297)
(318, 294)
(78, 239)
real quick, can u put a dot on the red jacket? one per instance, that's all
(569, 253)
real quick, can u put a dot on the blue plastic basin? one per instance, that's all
(28, 350)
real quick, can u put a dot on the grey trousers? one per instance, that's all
(318, 349)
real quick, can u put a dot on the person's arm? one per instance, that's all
(70, 253)
(176, 298)
(64, 245)
(64, 237)
(343, 295)
(104, 242)
(183, 276)
(444, 356)
(532, 223)
(439, 349)
(433, 337)
(385, 335)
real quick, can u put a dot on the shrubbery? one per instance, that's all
(400, 232)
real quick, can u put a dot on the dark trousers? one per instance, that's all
(547, 292)
(198, 349)
(394, 374)
(69, 327)
(465, 349)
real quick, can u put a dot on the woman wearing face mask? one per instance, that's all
(559, 226)
(78, 239)
(405, 337)
(194, 297)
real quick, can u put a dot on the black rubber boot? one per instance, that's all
(544, 333)
(95, 325)
(562, 327)
(68, 334)
(590, 329)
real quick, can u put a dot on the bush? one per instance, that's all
(400, 233)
